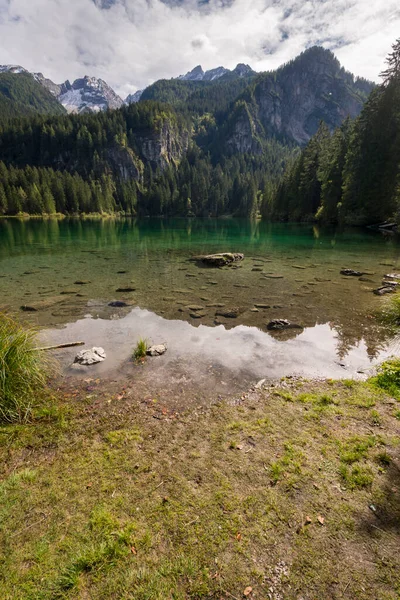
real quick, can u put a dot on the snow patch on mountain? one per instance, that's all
(88, 94)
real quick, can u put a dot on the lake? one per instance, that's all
(67, 271)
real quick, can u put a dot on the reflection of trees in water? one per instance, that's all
(374, 336)
(349, 336)
(229, 233)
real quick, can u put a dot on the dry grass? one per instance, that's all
(293, 491)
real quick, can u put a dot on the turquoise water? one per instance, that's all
(292, 270)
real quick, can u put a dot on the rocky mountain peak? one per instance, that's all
(132, 98)
(291, 102)
(213, 74)
(88, 94)
(12, 69)
(197, 74)
(242, 70)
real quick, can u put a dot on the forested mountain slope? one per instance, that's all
(214, 147)
(353, 175)
(21, 95)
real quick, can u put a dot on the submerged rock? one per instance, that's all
(28, 308)
(157, 350)
(351, 273)
(118, 304)
(219, 260)
(280, 324)
(195, 307)
(393, 276)
(41, 304)
(229, 313)
(125, 289)
(90, 357)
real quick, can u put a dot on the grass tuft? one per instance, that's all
(140, 349)
(358, 476)
(23, 371)
(356, 448)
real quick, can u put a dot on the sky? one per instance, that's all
(131, 43)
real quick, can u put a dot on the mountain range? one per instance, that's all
(214, 142)
(89, 94)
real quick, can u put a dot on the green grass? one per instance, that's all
(356, 448)
(23, 371)
(140, 349)
(357, 476)
(388, 377)
(102, 500)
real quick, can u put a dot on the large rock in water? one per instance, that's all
(157, 350)
(388, 289)
(90, 357)
(221, 259)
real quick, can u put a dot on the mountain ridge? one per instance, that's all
(91, 94)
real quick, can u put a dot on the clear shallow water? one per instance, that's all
(294, 271)
(240, 355)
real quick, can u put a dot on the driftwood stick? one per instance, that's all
(69, 345)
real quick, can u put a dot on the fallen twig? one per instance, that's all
(69, 345)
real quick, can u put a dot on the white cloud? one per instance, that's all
(134, 42)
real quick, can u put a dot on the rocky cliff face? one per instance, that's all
(245, 132)
(163, 146)
(125, 163)
(48, 84)
(291, 102)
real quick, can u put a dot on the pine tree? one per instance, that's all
(392, 70)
